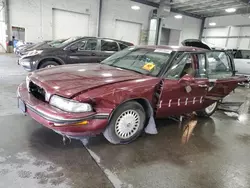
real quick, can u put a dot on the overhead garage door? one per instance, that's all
(67, 24)
(128, 31)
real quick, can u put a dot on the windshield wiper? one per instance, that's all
(130, 70)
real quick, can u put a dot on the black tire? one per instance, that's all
(205, 113)
(110, 132)
(47, 63)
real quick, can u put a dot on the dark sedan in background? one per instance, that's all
(73, 50)
(24, 50)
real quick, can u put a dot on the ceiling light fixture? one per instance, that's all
(135, 7)
(212, 24)
(178, 16)
(230, 10)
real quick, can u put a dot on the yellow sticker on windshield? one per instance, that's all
(149, 66)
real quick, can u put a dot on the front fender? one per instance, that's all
(109, 97)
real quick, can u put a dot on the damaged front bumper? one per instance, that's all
(69, 124)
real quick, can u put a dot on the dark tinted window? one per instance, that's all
(107, 45)
(91, 44)
(122, 46)
(242, 54)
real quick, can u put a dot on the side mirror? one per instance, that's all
(73, 48)
(187, 78)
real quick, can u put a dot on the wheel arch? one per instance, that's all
(142, 101)
(59, 61)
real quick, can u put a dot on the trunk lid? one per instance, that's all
(195, 43)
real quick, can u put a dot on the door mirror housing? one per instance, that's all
(73, 48)
(187, 78)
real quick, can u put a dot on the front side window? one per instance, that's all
(80, 44)
(91, 44)
(181, 68)
(219, 65)
(143, 61)
(107, 45)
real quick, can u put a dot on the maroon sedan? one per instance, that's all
(120, 96)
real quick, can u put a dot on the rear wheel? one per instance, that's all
(48, 64)
(126, 124)
(207, 112)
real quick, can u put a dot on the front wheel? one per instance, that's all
(48, 64)
(208, 111)
(126, 124)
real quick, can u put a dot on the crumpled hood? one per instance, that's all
(69, 80)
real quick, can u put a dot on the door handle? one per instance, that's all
(203, 85)
(248, 62)
(93, 54)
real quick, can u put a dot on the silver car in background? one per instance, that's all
(242, 61)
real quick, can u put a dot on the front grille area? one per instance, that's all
(37, 91)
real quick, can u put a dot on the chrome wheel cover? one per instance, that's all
(211, 108)
(49, 66)
(127, 124)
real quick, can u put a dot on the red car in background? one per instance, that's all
(118, 96)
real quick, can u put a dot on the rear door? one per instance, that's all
(220, 72)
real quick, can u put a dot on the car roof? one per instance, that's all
(120, 41)
(174, 48)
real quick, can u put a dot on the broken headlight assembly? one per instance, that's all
(69, 105)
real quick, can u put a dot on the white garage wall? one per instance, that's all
(2, 31)
(36, 15)
(189, 26)
(232, 20)
(80, 23)
(231, 31)
(127, 31)
(113, 10)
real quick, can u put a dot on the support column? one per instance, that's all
(99, 19)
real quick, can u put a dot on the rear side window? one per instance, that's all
(122, 46)
(219, 65)
(242, 54)
(107, 45)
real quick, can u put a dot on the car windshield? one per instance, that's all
(141, 60)
(55, 43)
(66, 42)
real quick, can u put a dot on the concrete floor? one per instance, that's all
(216, 155)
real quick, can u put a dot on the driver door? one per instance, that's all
(182, 92)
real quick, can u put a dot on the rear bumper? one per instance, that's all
(60, 121)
